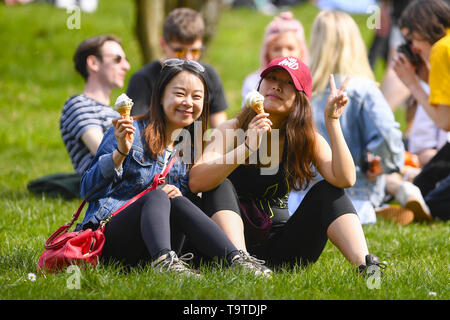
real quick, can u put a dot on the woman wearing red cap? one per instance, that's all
(248, 194)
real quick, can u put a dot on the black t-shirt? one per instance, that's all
(141, 85)
(270, 191)
(251, 183)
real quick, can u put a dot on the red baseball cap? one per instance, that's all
(299, 72)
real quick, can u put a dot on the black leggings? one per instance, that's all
(154, 224)
(303, 237)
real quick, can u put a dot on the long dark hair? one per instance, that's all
(429, 18)
(155, 131)
(299, 131)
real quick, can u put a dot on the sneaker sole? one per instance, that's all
(420, 214)
(399, 215)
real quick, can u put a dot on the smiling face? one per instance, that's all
(278, 91)
(183, 100)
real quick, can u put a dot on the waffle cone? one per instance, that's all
(257, 107)
(124, 111)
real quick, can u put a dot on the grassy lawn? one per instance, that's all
(37, 76)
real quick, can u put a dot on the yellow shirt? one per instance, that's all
(440, 71)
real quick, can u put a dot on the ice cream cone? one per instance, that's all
(255, 101)
(125, 111)
(257, 107)
(123, 105)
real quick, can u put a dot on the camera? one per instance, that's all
(405, 48)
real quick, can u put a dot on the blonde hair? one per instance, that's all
(285, 22)
(336, 46)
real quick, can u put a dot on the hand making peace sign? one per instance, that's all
(337, 99)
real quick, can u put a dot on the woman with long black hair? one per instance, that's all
(240, 193)
(130, 156)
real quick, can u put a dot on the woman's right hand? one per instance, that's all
(172, 191)
(256, 129)
(124, 132)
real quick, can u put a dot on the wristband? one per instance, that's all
(123, 154)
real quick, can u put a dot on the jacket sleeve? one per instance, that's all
(100, 178)
(381, 132)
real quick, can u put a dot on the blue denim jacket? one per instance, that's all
(107, 189)
(368, 124)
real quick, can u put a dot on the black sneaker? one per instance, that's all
(373, 264)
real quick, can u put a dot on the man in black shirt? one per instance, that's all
(183, 32)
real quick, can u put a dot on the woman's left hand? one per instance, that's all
(337, 99)
(172, 191)
(405, 70)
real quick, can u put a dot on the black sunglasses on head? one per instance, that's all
(179, 62)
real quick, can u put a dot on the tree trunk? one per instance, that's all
(150, 17)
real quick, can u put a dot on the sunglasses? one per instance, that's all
(117, 58)
(182, 52)
(179, 62)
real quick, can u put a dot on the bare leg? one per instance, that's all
(408, 196)
(393, 183)
(347, 235)
(231, 224)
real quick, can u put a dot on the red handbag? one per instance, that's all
(64, 248)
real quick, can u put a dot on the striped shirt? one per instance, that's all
(79, 114)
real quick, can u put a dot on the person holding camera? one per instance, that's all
(426, 24)
(368, 124)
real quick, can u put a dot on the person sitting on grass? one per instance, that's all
(85, 117)
(130, 155)
(247, 192)
(426, 24)
(368, 123)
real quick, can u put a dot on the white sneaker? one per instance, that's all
(410, 197)
(173, 264)
(250, 264)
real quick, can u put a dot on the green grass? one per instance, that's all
(37, 76)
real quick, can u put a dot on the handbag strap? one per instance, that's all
(157, 180)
